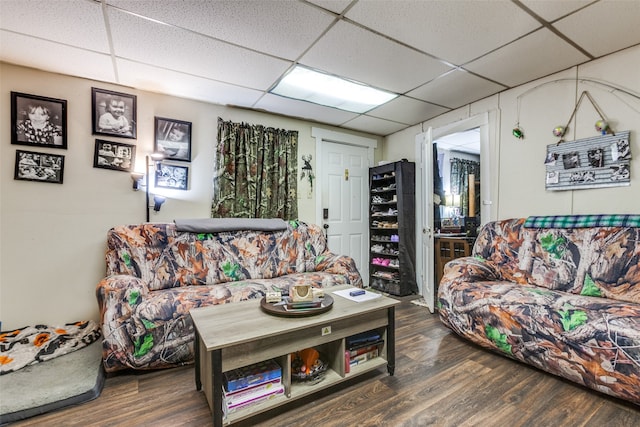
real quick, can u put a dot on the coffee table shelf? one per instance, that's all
(234, 335)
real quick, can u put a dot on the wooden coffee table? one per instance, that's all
(230, 336)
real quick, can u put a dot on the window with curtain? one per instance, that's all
(255, 172)
(460, 171)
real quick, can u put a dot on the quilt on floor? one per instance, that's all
(32, 344)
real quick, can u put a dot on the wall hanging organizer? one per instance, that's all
(596, 162)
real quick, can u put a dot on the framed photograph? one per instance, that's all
(596, 157)
(37, 120)
(113, 113)
(571, 160)
(42, 167)
(173, 139)
(172, 176)
(114, 155)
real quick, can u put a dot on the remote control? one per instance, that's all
(356, 293)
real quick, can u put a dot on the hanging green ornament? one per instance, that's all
(518, 132)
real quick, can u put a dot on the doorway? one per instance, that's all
(458, 184)
(425, 215)
(342, 193)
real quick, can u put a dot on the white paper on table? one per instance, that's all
(358, 298)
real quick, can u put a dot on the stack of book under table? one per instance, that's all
(363, 347)
(250, 385)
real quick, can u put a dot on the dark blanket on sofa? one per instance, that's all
(217, 225)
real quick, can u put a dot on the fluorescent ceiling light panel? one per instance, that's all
(324, 89)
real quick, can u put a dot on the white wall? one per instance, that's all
(519, 172)
(52, 237)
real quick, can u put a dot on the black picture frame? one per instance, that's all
(173, 139)
(38, 121)
(39, 167)
(113, 113)
(171, 176)
(114, 155)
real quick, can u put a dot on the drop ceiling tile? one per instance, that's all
(406, 110)
(539, 54)
(179, 50)
(374, 125)
(153, 79)
(466, 141)
(73, 22)
(604, 27)
(456, 89)
(337, 6)
(455, 31)
(550, 10)
(358, 54)
(305, 110)
(277, 27)
(77, 62)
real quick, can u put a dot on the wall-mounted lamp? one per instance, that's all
(136, 177)
(156, 157)
(157, 202)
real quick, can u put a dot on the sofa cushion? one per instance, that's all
(599, 261)
(165, 258)
(592, 341)
(168, 304)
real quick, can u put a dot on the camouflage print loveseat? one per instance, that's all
(156, 274)
(559, 293)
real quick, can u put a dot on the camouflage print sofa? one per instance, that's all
(559, 293)
(156, 274)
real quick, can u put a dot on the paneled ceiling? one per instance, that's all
(437, 55)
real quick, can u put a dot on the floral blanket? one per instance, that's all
(33, 344)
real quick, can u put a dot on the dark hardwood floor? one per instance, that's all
(439, 380)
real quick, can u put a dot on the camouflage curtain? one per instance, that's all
(460, 171)
(256, 171)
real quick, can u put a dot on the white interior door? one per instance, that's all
(424, 219)
(345, 187)
(488, 124)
